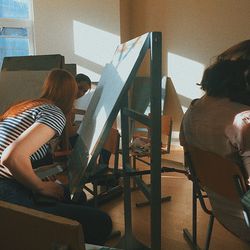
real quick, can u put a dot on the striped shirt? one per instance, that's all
(11, 128)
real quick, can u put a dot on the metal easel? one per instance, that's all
(154, 123)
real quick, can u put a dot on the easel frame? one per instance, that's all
(154, 123)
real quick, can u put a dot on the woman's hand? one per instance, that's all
(51, 189)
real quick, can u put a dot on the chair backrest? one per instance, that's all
(25, 228)
(142, 130)
(224, 183)
(166, 132)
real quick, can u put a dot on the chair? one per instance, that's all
(142, 132)
(224, 183)
(140, 148)
(26, 228)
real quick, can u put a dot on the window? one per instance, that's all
(16, 35)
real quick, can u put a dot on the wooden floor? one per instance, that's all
(176, 215)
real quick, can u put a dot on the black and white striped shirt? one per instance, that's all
(11, 128)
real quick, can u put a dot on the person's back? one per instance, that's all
(220, 120)
(216, 125)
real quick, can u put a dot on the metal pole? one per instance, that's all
(127, 189)
(155, 98)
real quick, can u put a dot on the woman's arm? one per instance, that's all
(16, 157)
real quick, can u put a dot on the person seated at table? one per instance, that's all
(220, 120)
(26, 128)
(83, 83)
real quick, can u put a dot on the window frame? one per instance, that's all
(23, 23)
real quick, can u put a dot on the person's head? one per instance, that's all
(228, 78)
(238, 51)
(83, 83)
(60, 88)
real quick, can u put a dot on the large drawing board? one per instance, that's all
(104, 106)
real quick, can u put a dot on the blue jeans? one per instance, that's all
(96, 224)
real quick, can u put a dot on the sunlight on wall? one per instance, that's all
(94, 45)
(185, 73)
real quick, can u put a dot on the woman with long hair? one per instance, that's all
(25, 131)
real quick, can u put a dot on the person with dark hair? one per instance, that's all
(83, 86)
(220, 120)
(83, 83)
(25, 131)
(228, 79)
(238, 51)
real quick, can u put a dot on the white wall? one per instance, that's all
(193, 32)
(197, 31)
(86, 32)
